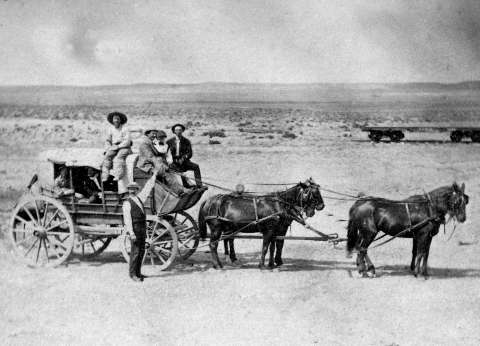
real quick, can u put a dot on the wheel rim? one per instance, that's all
(41, 231)
(88, 246)
(188, 234)
(161, 247)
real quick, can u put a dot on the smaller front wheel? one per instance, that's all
(161, 247)
(456, 136)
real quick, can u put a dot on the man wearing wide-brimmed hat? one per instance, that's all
(135, 222)
(181, 150)
(117, 147)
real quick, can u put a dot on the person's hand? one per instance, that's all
(133, 237)
(180, 161)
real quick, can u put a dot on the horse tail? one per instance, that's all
(202, 224)
(352, 236)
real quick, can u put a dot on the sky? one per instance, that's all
(86, 42)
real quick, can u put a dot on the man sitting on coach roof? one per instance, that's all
(181, 150)
(150, 159)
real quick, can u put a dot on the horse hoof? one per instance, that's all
(371, 275)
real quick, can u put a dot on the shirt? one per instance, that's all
(120, 137)
(162, 148)
(142, 196)
(177, 139)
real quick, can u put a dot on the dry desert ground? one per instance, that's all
(315, 298)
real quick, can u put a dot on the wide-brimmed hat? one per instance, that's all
(181, 125)
(123, 117)
(132, 186)
(161, 133)
(148, 130)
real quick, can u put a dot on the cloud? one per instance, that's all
(92, 42)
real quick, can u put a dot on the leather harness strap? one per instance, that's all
(256, 208)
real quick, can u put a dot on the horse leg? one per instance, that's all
(233, 256)
(265, 244)
(278, 253)
(414, 253)
(422, 239)
(361, 262)
(279, 245)
(214, 239)
(425, 258)
(225, 247)
(271, 263)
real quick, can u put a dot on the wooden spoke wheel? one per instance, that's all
(475, 137)
(89, 246)
(456, 136)
(41, 231)
(187, 232)
(161, 247)
(396, 136)
(375, 136)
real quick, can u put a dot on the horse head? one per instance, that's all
(457, 202)
(311, 197)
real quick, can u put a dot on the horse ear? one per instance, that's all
(455, 187)
(462, 188)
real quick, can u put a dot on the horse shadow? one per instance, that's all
(434, 272)
(201, 262)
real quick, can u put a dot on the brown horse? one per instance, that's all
(269, 214)
(418, 217)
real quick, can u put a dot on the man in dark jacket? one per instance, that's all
(181, 150)
(135, 222)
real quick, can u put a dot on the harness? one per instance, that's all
(413, 228)
(293, 211)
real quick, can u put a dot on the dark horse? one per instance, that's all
(269, 214)
(418, 217)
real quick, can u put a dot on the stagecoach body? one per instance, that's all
(47, 226)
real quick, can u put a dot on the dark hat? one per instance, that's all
(148, 130)
(123, 117)
(173, 127)
(161, 133)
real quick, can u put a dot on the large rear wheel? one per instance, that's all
(41, 231)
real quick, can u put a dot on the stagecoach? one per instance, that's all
(48, 225)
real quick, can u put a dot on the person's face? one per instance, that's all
(116, 121)
(178, 131)
(132, 192)
(152, 135)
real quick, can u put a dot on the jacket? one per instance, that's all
(149, 157)
(185, 148)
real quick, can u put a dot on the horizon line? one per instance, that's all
(231, 83)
